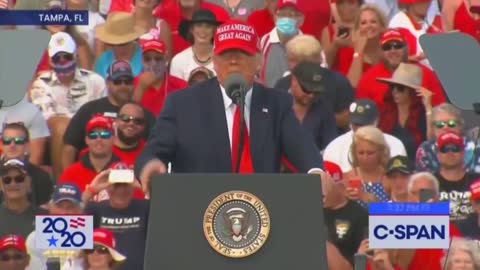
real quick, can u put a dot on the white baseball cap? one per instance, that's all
(61, 42)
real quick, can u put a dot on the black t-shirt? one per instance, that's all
(75, 133)
(407, 138)
(470, 227)
(338, 90)
(129, 226)
(346, 228)
(22, 224)
(458, 193)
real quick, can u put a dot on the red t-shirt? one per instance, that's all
(153, 99)
(317, 16)
(465, 23)
(369, 87)
(169, 10)
(262, 21)
(81, 173)
(130, 155)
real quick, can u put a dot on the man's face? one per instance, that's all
(15, 184)
(302, 96)
(450, 156)
(120, 194)
(422, 183)
(14, 143)
(394, 53)
(13, 259)
(399, 182)
(445, 122)
(290, 12)
(235, 61)
(65, 207)
(151, 59)
(130, 124)
(99, 142)
(121, 89)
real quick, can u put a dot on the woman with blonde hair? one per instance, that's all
(369, 154)
(463, 254)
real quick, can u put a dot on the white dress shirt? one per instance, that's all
(230, 112)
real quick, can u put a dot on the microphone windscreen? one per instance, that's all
(234, 82)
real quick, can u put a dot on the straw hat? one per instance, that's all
(409, 75)
(119, 28)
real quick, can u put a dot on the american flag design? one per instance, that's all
(77, 223)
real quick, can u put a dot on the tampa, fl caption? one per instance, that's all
(43, 17)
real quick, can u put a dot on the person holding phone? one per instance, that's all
(369, 155)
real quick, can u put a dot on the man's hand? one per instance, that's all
(146, 79)
(154, 166)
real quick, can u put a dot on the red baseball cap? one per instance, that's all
(334, 170)
(288, 3)
(105, 238)
(450, 138)
(13, 241)
(99, 122)
(475, 190)
(392, 35)
(236, 34)
(153, 45)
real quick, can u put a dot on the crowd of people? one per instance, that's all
(341, 88)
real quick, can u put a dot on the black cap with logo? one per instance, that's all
(399, 164)
(363, 112)
(310, 76)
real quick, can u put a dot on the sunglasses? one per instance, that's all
(10, 257)
(153, 58)
(130, 119)
(63, 56)
(442, 124)
(450, 148)
(7, 180)
(99, 249)
(392, 46)
(123, 81)
(16, 140)
(102, 134)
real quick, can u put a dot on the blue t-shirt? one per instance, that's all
(107, 58)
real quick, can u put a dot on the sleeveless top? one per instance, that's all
(344, 57)
(464, 23)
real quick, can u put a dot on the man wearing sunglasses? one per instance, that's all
(60, 93)
(99, 157)
(310, 105)
(17, 213)
(452, 176)
(13, 253)
(120, 90)
(395, 45)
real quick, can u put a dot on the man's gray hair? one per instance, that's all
(424, 175)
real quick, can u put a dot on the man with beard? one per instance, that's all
(394, 44)
(130, 127)
(120, 90)
(99, 157)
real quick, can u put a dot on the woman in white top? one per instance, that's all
(87, 31)
(413, 17)
(199, 32)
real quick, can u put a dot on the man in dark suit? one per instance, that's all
(197, 127)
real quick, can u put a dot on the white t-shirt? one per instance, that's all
(184, 63)
(88, 31)
(338, 150)
(29, 115)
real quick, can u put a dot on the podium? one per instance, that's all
(225, 221)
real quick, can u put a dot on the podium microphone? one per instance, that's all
(236, 88)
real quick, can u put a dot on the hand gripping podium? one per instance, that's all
(226, 221)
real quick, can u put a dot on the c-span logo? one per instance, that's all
(64, 232)
(236, 224)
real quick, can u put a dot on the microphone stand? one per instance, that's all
(241, 104)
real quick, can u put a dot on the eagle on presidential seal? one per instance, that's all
(236, 222)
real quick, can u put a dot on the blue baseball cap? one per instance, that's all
(69, 192)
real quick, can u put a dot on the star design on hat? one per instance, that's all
(52, 242)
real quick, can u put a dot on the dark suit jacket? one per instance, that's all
(191, 132)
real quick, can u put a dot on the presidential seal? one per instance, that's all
(236, 224)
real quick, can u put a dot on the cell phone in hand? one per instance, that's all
(343, 31)
(355, 183)
(426, 195)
